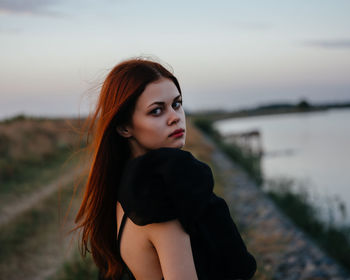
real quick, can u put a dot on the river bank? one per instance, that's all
(283, 250)
(270, 109)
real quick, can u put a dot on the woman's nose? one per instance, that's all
(174, 117)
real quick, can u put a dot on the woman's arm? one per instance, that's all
(174, 250)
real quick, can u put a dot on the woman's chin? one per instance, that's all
(181, 145)
(177, 145)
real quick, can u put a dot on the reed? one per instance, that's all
(335, 240)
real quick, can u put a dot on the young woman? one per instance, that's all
(149, 211)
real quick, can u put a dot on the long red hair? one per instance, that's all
(109, 152)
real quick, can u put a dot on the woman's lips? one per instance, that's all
(177, 133)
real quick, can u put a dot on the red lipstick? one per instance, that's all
(177, 133)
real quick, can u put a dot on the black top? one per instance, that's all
(170, 183)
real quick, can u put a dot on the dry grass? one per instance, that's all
(40, 253)
(34, 243)
(196, 144)
(33, 207)
(32, 138)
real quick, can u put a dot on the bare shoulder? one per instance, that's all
(174, 250)
(170, 227)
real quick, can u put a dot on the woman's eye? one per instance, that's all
(176, 104)
(154, 112)
(179, 103)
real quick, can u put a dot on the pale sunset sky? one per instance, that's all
(226, 54)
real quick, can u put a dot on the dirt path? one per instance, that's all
(22, 204)
(41, 253)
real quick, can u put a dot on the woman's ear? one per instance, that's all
(124, 131)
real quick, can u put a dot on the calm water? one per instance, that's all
(312, 148)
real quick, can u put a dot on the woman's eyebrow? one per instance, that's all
(162, 103)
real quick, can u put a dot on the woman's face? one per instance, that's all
(158, 113)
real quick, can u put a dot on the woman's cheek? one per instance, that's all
(155, 124)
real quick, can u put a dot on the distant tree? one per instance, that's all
(303, 104)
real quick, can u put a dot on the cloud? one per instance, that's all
(329, 44)
(34, 7)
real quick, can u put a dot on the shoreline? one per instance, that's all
(272, 109)
(283, 250)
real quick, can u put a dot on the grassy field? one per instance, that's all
(37, 180)
(33, 243)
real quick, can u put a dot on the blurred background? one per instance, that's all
(271, 77)
(227, 54)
